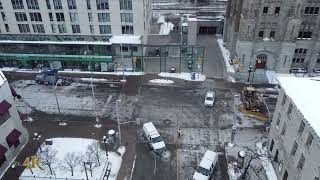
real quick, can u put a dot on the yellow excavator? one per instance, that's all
(253, 105)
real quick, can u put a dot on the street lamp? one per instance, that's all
(36, 137)
(61, 122)
(119, 130)
(105, 141)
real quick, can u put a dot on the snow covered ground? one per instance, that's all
(161, 81)
(165, 28)
(266, 163)
(184, 76)
(63, 146)
(226, 55)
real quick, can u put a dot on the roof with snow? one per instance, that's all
(2, 78)
(304, 93)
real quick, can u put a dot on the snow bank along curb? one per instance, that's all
(226, 56)
(184, 76)
(265, 161)
(161, 81)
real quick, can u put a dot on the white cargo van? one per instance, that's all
(206, 166)
(153, 137)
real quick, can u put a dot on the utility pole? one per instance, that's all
(119, 129)
(61, 122)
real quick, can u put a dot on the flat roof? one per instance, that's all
(305, 94)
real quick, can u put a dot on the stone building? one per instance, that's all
(274, 35)
(293, 142)
(13, 136)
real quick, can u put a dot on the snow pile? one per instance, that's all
(184, 76)
(272, 77)
(233, 174)
(2, 78)
(161, 20)
(304, 93)
(118, 73)
(94, 80)
(63, 146)
(266, 163)
(125, 39)
(161, 81)
(165, 28)
(231, 79)
(226, 55)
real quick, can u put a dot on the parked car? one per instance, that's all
(153, 138)
(209, 99)
(206, 166)
(298, 70)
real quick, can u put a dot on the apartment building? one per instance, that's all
(35, 30)
(13, 136)
(293, 142)
(273, 35)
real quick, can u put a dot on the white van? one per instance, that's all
(153, 137)
(206, 166)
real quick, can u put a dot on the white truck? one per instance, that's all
(206, 166)
(153, 138)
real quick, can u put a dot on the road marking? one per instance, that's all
(155, 166)
(133, 166)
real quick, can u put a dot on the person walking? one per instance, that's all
(179, 133)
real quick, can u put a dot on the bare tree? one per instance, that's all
(47, 157)
(70, 161)
(94, 151)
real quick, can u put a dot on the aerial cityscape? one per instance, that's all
(159, 90)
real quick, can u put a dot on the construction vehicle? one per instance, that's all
(253, 105)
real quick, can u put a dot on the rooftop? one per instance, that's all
(304, 93)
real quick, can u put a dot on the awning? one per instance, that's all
(3, 151)
(13, 92)
(4, 107)
(13, 137)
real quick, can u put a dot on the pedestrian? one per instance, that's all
(179, 133)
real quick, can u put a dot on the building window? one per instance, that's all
(127, 29)
(48, 4)
(4, 18)
(21, 16)
(72, 4)
(289, 110)
(90, 17)
(88, 4)
(62, 28)
(105, 29)
(32, 4)
(309, 140)
(277, 10)
(294, 149)
(125, 49)
(103, 17)
(17, 4)
(278, 121)
(53, 28)
(126, 17)
(284, 127)
(24, 28)
(301, 127)
(301, 162)
(57, 4)
(91, 29)
(260, 35)
(311, 11)
(7, 27)
(272, 34)
(38, 28)
(74, 17)
(75, 28)
(50, 16)
(299, 55)
(271, 145)
(35, 17)
(265, 10)
(134, 49)
(126, 4)
(305, 31)
(102, 4)
(60, 17)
